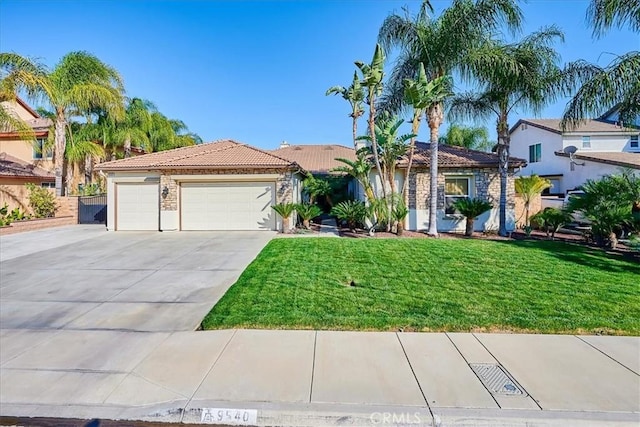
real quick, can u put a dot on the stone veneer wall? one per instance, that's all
(284, 190)
(486, 181)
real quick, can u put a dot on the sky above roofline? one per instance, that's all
(255, 72)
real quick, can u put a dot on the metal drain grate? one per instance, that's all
(496, 379)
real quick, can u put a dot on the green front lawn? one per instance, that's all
(433, 285)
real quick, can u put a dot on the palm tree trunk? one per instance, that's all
(503, 155)
(60, 138)
(415, 127)
(88, 170)
(71, 173)
(127, 147)
(354, 131)
(435, 117)
(374, 142)
(469, 226)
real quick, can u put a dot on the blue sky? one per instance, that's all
(253, 71)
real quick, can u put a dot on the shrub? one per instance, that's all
(609, 204)
(352, 212)
(285, 210)
(307, 212)
(551, 219)
(398, 214)
(6, 217)
(42, 201)
(471, 209)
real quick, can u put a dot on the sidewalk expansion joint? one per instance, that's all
(596, 348)
(413, 372)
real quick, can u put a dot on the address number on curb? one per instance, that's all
(238, 417)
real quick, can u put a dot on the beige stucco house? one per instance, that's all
(226, 185)
(23, 160)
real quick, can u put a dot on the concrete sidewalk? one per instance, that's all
(322, 377)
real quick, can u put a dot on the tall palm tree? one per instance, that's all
(19, 74)
(81, 152)
(520, 75)
(443, 45)
(354, 94)
(420, 94)
(617, 84)
(136, 125)
(79, 84)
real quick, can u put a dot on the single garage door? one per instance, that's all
(137, 206)
(227, 206)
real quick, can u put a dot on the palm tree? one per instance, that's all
(420, 94)
(360, 169)
(77, 86)
(443, 45)
(471, 137)
(617, 84)
(353, 94)
(372, 76)
(136, 125)
(19, 74)
(520, 75)
(529, 187)
(471, 209)
(80, 153)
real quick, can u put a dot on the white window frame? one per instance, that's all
(448, 199)
(48, 184)
(535, 159)
(586, 141)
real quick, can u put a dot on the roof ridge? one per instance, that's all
(267, 153)
(212, 150)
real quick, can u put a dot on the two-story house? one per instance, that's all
(568, 158)
(24, 160)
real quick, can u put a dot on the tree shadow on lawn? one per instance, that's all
(584, 255)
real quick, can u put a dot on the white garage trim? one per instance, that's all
(239, 177)
(137, 206)
(227, 205)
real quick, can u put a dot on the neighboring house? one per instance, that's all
(21, 160)
(223, 185)
(14, 174)
(602, 147)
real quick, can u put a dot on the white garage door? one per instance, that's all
(227, 206)
(138, 206)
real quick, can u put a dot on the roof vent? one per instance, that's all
(328, 147)
(284, 144)
(297, 148)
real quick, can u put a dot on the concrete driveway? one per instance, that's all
(84, 278)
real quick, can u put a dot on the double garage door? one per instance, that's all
(203, 206)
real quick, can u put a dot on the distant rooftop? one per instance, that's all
(316, 158)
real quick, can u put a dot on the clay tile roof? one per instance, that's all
(626, 160)
(13, 167)
(316, 158)
(224, 154)
(553, 125)
(450, 156)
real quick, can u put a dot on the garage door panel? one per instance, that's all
(137, 206)
(227, 206)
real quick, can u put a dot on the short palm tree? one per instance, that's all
(529, 187)
(360, 169)
(444, 46)
(285, 210)
(354, 94)
(471, 137)
(307, 212)
(471, 209)
(520, 75)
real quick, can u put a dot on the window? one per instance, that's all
(454, 189)
(586, 142)
(39, 151)
(48, 185)
(535, 153)
(633, 141)
(523, 126)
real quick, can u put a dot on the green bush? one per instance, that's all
(42, 201)
(352, 212)
(285, 210)
(6, 217)
(550, 220)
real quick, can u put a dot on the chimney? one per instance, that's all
(284, 144)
